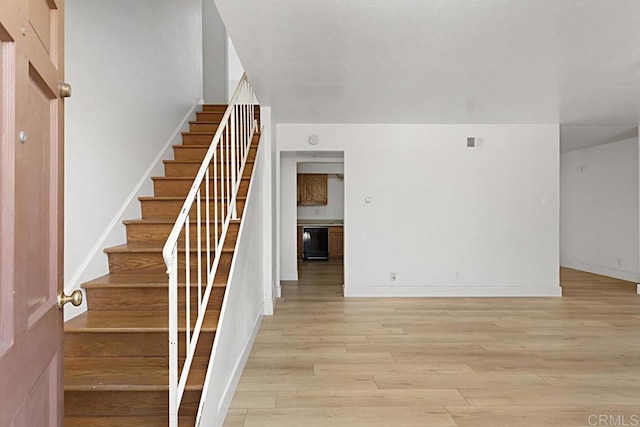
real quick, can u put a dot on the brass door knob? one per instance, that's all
(64, 89)
(75, 298)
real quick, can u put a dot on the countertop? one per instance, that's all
(321, 222)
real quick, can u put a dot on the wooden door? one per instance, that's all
(31, 220)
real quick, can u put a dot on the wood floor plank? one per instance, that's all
(333, 357)
(550, 395)
(529, 416)
(391, 368)
(372, 316)
(431, 337)
(349, 417)
(342, 329)
(297, 347)
(321, 339)
(468, 357)
(264, 366)
(275, 383)
(542, 346)
(459, 381)
(444, 326)
(235, 418)
(412, 347)
(613, 353)
(254, 399)
(369, 398)
(591, 380)
(542, 367)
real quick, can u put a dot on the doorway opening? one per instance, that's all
(599, 214)
(312, 222)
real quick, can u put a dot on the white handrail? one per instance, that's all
(225, 160)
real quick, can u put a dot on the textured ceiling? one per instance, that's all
(574, 62)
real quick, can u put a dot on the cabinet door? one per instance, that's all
(314, 191)
(336, 243)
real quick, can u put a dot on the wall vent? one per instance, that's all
(474, 141)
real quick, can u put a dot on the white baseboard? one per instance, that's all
(453, 291)
(232, 384)
(93, 265)
(603, 271)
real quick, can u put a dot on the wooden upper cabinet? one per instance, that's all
(312, 189)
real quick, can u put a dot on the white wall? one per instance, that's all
(270, 211)
(334, 209)
(136, 71)
(275, 218)
(214, 55)
(235, 69)
(288, 219)
(244, 305)
(447, 219)
(599, 209)
(266, 175)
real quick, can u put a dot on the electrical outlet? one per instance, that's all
(393, 277)
(457, 274)
(620, 261)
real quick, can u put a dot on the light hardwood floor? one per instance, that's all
(323, 360)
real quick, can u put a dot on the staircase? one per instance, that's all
(116, 353)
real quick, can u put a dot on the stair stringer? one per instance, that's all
(242, 308)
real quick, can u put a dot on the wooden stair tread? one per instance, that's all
(125, 373)
(205, 122)
(149, 281)
(132, 321)
(175, 198)
(192, 219)
(133, 280)
(200, 147)
(186, 178)
(181, 285)
(127, 279)
(205, 107)
(196, 133)
(190, 162)
(150, 248)
(150, 421)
